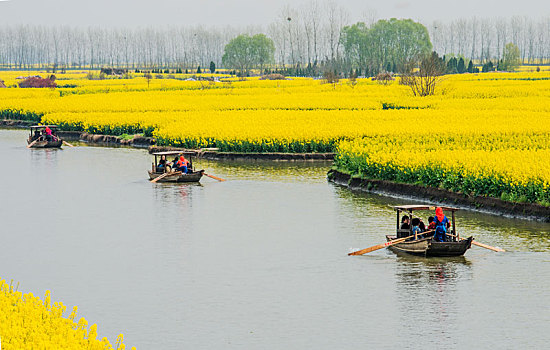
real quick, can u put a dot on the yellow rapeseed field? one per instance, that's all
(362, 120)
(27, 322)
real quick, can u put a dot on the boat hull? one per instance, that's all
(190, 177)
(417, 247)
(428, 247)
(446, 249)
(46, 144)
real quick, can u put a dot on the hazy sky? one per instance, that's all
(244, 12)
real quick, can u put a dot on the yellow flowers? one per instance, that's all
(26, 322)
(465, 120)
(509, 166)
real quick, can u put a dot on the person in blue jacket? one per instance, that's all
(441, 225)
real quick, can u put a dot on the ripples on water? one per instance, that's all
(258, 261)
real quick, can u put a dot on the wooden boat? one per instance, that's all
(425, 245)
(38, 138)
(194, 176)
(156, 171)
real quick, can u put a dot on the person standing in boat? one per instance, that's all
(441, 225)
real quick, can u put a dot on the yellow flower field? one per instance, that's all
(27, 322)
(360, 119)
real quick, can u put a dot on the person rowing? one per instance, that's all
(441, 225)
(182, 165)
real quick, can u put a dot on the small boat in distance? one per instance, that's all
(38, 137)
(423, 244)
(166, 174)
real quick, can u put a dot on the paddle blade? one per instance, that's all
(370, 249)
(32, 144)
(488, 247)
(380, 246)
(159, 177)
(68, 144)
(214, 177)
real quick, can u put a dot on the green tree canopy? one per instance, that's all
(398, 41)
(510, 58)
(246, 52)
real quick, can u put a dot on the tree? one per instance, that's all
(245, 52)
(396, 40)
(461, 67)
(470, 67)
(510, 57)
(452, 66)
(424, 81)
(199, 70)
(148, 76)
(212, 67)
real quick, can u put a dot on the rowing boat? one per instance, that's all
(194, 176)
(168, 175)
(37, 139)
(424, 244)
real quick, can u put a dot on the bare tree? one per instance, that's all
(424, 81)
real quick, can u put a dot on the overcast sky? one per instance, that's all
(244, 12)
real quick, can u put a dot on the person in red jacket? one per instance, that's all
(48, 134)
(182, 164)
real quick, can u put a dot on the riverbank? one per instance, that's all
(214, 154)
(139, 141)
(529, 211)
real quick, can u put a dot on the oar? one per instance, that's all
(488, 246)
(380, 246)
(165, 175)
(482, 245)
(387, 244)
(68, 144)
(32, 143)
(214, 177)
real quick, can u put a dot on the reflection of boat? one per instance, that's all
(38, 140)
(176, 176)
(420, 245)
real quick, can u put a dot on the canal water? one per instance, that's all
(256, 262)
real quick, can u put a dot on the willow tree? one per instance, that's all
(246, 52)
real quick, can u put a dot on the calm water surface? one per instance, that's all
(257, 262)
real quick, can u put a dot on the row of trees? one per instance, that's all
(176, 47)
(311, 38)
(484, 39)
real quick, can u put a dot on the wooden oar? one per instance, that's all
(214, 177)
(165, 175)
(68, 144)
(387, 244)
(32, 143)
(488, 246)
(380, 246)
(482, 245)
